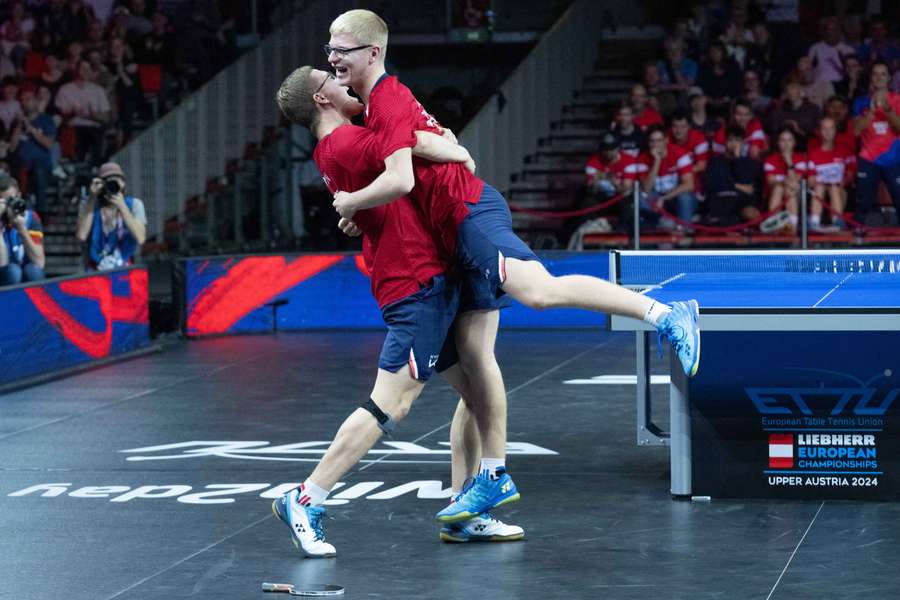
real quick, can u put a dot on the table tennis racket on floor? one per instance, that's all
(313, 589)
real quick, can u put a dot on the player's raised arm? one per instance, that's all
(396, 180)
(436, 148)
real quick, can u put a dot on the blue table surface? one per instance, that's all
(783, 290)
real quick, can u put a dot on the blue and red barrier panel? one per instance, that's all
(252, 294)
(59, 324)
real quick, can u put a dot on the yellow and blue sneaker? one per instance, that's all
(480, 495)
(305, 523)
(483, 528)
(682, 328)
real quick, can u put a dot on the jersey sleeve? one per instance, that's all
(35, 229)
(684, 164)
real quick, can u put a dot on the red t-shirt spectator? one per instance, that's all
(877, 141)
(695, 143)
(625, 168)
(648, 117)
(754, 137)
(675, 164)
(776, 165)
(836, 166)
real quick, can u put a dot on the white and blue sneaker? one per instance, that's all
(483, 528)
(682, 328)
(305, 523)
(481, 494)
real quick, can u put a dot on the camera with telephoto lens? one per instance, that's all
(110, 188)
(17, 205)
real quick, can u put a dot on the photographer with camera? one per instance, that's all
(21, 237)
(112, 224)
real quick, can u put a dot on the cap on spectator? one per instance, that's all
(694, 91)
(608, 141)
(110, 169)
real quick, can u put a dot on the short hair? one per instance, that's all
(653, 129)
(742, 102)
(364, 25)
(679, 114)
(295, 98)
(7, 181)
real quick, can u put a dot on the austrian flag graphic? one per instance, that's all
(781, 451)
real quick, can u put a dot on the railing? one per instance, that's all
(508, 127)
(173, 160)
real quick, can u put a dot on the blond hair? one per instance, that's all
(365, 26)
(295, 97)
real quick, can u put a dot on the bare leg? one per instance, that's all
(394, 394)
(476, 333)
(838, 201)
(530, 283)
(777, 197)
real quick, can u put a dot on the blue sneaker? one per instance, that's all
(483, 528)
(479, 496)
(305, 523)
(682, 328)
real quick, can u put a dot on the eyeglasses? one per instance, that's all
(328, 76)
(342, 51)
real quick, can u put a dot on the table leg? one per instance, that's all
(680, 428)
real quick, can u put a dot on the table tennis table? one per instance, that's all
(750, 291)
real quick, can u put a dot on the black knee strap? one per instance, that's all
(385, 422)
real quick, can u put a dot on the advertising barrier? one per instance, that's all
(254, 294)
(59, 324)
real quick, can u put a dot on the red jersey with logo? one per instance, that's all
(835, 166)
(648, 117)
(625, 168)
(778, 167)
(695, 143)
(878, 142)
(675, 164)
(755, 137)
(399, 251)
(441, 189)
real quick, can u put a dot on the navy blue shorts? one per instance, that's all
(484, 241)
(417, 327)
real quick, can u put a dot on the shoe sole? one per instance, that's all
(294, 540)
(695, 309)
(450, 539)
(465, 516)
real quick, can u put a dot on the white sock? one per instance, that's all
(311, 494)
(491, 465)
(656, 313)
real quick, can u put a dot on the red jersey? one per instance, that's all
(648, 117)
(755, 137)
(776, 166)
(399, 252)
(441, 189)
(625, 167)
(695, 144)
(878, 141)
(831, 166)
(672, 167)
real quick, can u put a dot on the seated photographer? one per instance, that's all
(112, 224)
(21, 237)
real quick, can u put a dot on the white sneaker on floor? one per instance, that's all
(59, 172)
(483, 528)
(305, 523)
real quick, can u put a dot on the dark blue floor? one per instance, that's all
(239, 417)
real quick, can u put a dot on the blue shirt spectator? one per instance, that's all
(37, 136)
(21, 237)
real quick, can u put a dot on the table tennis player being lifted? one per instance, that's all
(468, 219)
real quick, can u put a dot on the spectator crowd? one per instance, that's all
(736, 117)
